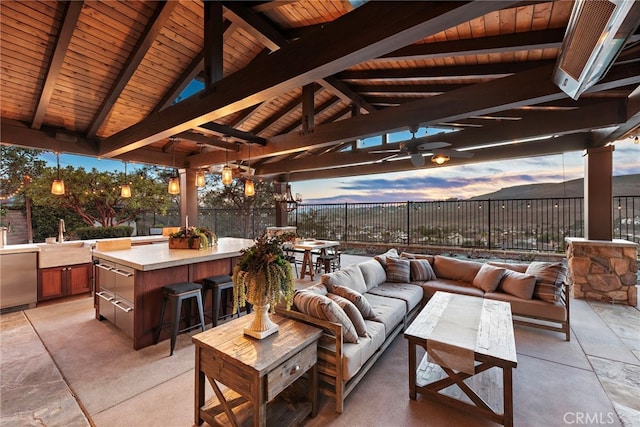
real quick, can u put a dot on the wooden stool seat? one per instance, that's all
(177, 293)
(218, 284)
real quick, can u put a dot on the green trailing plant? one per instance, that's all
(263, 275)
(206, 236)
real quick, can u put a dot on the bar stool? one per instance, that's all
(177, 293)
(218, 285)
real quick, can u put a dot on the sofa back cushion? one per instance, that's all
(549, 279)
(488, 278)
(350, 277)
(455, 269)
(421, 270)
(520, 268)
(517, 284)
(373, 273)
(352, 313)
(357, 299)
(398, 270)
(323, 308)
(410, 255)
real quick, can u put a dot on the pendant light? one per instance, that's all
(249, 188)
(174, 181)
(200, 178)
(125, 189)
(227, 173)
(57, 187)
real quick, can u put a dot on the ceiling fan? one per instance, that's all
(416, 149)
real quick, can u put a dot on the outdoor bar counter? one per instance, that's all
(154, 266)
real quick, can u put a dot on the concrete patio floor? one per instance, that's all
(61, 367)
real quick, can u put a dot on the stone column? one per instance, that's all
(603, 270)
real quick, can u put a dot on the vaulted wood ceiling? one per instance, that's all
(291, 86)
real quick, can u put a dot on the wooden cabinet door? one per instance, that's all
(79, 279)
(51, 283)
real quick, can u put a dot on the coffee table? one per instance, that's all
(464, 336)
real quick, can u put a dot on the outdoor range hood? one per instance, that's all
(597, 32)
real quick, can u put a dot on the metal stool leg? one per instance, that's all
(200, 310)
(164, 305)
(175, 322)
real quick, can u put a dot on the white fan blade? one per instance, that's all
(417, 160)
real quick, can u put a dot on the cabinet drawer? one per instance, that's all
(289, 371)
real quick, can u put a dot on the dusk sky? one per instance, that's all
(460, 182)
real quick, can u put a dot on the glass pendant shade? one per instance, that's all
(125, 191)
(249, 188)
(227, 175)
(440, 159)
(200, 179)
(57, 187)
(174, 185)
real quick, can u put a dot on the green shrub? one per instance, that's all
(90, 233)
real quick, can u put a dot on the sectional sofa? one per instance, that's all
(364, 306)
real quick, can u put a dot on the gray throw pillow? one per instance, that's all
(324, 308)
(352, 312)
(357, 299)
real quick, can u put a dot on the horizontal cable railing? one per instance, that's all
(516, 224)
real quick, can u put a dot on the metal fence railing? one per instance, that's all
(514, 224)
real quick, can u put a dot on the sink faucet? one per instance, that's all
(61, 231)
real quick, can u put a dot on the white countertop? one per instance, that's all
(154, 257)
(36, 247)
(19, 249)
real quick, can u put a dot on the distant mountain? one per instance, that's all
(625, 185)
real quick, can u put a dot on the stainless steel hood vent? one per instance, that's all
(597, 32)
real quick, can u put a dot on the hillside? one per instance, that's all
(626, 185)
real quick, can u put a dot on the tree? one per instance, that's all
(17, 163)
(95, 196)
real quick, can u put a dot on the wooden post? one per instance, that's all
(598, 193)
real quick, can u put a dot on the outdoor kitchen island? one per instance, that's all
(129, 281)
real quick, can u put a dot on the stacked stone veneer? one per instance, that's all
(603, 270)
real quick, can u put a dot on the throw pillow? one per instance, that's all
(351, 277)
(518, 284)
(323, 308)
(382, 258)
(409, 255)
(352, 312)
(398, 270)
(488, 278)
(357, 299)
(549, 278)
(421, 270)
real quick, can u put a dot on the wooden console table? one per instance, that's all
(254, 373)
(464, 336)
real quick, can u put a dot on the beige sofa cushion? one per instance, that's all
(421, 270)
(322, 307)
(357, 299)
(352, 312)
(373, 273)
(549, 279)
(350, 277)
(455, 269)
(389, 311)
(355, 355)
(532, 308)
(453, 286)
(398, 270)
(488, 278)
(517, 284)
(409, 293)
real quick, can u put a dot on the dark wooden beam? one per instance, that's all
(283, 111)
(504, 43)
(213, 42)
(347, 41)
(156, 22)
(405, 89)
(427, 73)
(208, 140)
(343, 91)
(17, 133)
(308, 107)
(71, 15)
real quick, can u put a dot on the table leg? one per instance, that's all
(507, 390)
(313, 392)
(412, 370)
(307, 265)
(199, 390)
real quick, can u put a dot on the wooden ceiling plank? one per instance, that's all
(62, 44)
(15, 133)
(157, 21)
(342, 44)
(543, 39)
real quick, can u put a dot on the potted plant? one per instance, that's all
(192, 238)
(263, 277)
